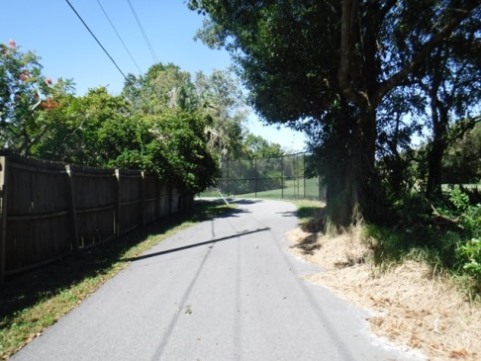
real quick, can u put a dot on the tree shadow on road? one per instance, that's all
(312, 223)
(244, 201)
(308, 245)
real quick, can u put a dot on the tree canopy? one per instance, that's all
(332, 67)
(24, 93)
(162, 122)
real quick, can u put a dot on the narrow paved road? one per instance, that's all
(222, 290)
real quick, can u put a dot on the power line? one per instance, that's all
(144, 34)
(97, 40)
(120, 38)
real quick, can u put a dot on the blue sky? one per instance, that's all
(52, 30)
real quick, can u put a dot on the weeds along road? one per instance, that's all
(225, 289)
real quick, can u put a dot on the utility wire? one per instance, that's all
(120, 38)
(144, 34)
(97, 40)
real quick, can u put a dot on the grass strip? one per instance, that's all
(31, 302)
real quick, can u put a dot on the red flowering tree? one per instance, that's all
(24, 93)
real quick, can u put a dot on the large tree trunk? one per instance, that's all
(438, 147)
(358, 81)
(352, 195)
(435, 156)
(370, 192)
(341, 202)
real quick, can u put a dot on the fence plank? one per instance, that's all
(130, 200)
(142, 198)
(73, 209)
(3, 216)
(117, 203)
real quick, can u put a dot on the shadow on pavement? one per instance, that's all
(244, 201)
(245, 233)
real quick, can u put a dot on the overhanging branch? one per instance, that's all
(435, 40)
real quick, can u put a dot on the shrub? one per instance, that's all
(469, 215)
(470, 253)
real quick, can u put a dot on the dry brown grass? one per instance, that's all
(411, 305)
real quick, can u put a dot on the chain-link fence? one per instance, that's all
(283, 178)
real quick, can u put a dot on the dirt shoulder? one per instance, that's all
(410, 305)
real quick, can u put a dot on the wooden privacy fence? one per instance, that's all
(50, 209)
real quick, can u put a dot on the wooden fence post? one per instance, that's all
(118, 204)
(170, 199)
(142, 198)
(159, 198)
(3, 216)
(73, 207)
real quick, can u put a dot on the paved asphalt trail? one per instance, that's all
(222, 290)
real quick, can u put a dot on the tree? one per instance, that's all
(162, 87)
(167, 129)
(217, 98)
(178, 151)
(329, 66)
(222, 104)
(89, 130)
(451, 82)
(258, 147)
(462, 163)
(24, 92)
(400, 119)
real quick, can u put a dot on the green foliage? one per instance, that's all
(216, 98)
(221, 103)
(23, 94)
(468, 215)
(459, 199)
(411, 207)
(427, 242)
(179, 153)
(91, 130)
(470, 254)
(468, 251)
(462, 163)
(446, 234)
(283, 64)
(258, 147)
(154, 126)
(162, 87)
